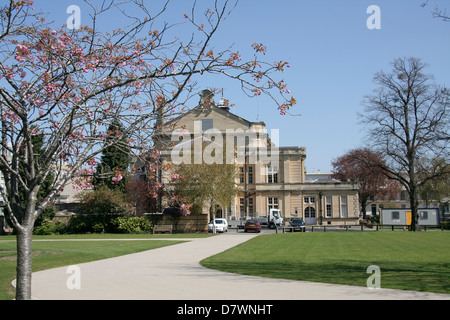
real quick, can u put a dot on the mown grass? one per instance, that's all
(52, 254)
(418, 261)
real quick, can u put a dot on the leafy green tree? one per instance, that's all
(104, 203)
(206, 184)
(111, 171)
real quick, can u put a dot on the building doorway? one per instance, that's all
(310, 215)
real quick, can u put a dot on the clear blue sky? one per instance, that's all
(333, 57)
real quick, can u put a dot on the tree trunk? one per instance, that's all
(363, 203)
(414, 210)
(24, 264)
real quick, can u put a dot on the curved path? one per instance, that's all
(174, 273)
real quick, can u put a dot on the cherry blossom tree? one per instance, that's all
(70, 84)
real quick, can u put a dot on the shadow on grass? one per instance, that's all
(417, 277)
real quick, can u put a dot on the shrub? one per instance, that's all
(48, 227)
(133, 224)
(104, 202)
(47, 215)
(91, 223)
(99, 209)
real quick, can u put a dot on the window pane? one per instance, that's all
(207, 124)
(329, 213)
(395, 215)
(423, 215)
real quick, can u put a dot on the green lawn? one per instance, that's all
(417, 261)
(52, 254)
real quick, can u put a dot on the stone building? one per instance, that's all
(268, 175)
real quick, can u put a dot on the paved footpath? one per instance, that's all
(174, 273)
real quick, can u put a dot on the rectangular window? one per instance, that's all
(250, 206)
(250, 174)
(395, 216)
(423, 215)
(309, 200)
(329, 207)
(241, 175)
(272, 175)
(403, 195)
(207, 124)
(373, 209)
(273, 203)
(344, 210)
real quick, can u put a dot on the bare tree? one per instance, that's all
(438, 12)
(70, 84)
(408, 121)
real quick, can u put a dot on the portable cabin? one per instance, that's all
(403, 217)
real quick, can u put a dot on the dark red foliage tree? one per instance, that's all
(364, 167)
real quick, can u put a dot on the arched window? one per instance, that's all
(310, 212)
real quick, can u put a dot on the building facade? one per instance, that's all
(268, 176)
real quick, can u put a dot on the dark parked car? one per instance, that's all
(297, 224)
(263, 221)
(252, 225)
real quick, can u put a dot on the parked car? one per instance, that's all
(252, 225)
(220, 224)
(263, 221)
(297, 224)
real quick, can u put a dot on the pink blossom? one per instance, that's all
(22, 49)
(117, 179)
(19, 58)
(175, 176)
